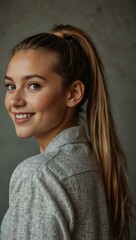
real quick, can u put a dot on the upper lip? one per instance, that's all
(19, 113)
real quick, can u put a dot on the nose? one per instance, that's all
(17, 99)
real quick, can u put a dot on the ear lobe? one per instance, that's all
(75, 93)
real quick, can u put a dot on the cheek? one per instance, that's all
(48, 101)
(7, 101)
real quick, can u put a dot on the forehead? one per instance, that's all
(32, 60)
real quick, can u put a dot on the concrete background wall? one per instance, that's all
(112, 26)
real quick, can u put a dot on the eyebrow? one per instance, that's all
(27, 77)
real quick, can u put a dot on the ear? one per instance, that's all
(75, 93)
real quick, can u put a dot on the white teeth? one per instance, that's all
(21, 116)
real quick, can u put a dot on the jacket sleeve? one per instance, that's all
(39, 208)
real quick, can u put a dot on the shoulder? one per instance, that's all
(73, 159)
(28, 166)
(67, 161)
(24, 173)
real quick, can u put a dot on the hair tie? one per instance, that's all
(66, 37)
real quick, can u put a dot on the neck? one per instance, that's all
(44, 139)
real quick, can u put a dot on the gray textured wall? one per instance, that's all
(112, 26)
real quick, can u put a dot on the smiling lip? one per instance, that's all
(21, 117)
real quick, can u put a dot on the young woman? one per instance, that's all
(76, 188)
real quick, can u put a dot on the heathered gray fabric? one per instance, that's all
(58, 195)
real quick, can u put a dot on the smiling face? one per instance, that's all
(35, 99)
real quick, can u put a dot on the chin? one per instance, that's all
(22, 134)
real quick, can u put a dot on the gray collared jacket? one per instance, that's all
(59, 194)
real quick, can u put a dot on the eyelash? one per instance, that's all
(37, 85)
(9, 84)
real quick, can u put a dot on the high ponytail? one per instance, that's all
(105, 142)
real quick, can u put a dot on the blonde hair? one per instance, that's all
(105, 142)
(79, 59)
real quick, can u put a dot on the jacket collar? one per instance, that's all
(70, 135)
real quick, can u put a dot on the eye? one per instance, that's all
(34, 86)
(10, 86)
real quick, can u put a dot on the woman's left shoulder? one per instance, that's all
(26, 169)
